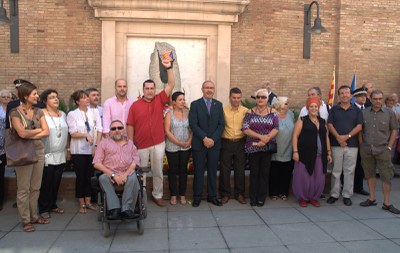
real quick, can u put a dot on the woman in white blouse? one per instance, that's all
(54, 154)
(85, 132)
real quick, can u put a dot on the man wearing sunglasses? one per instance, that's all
(117, 157)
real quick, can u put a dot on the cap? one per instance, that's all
(359, 91)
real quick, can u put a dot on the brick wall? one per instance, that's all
(60, 46)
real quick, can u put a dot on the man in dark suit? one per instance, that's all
(206, 119)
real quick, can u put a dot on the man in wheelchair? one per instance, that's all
(117, 158)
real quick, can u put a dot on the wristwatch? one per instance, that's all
(390, 148)
(112, 175)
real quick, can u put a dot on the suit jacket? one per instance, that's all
(204, 124)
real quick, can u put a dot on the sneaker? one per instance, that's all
(331, 200)
(302, 203)
(315, 203)
(391, 209)
(368, 202)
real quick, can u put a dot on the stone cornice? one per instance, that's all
(191, 11)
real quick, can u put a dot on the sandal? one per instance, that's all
(40, 221)
(91, 207)
(28, 227)
(274, 198)
(173, 200)
(82, 209)
(391, 209)
(45, 215)
(284, 197)
(182, 200)
(58, 210)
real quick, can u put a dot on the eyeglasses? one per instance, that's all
(115, 128)
(87, 126)
(261, 97)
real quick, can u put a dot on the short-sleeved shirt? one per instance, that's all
(377, 128)
(261, 124)
(233, 122)
(114, 110)
(344, 121)
(115, 157)
(147, 120)
(31, 123)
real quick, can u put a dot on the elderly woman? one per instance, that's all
(29, 122)
(261, 125)
(311, 153)
(177, 146)
(5, 97)
(55, 154)
(82, 126)
(282, 164)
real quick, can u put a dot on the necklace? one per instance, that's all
(261, 111)
(58, 128)
(315, 121)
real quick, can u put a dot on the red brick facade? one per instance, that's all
(60, 46)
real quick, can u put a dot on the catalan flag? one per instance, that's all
(168, 56)
(332, 88)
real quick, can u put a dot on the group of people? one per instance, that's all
(124, 134)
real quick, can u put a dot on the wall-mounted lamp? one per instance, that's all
(316, 29)
(13, 22)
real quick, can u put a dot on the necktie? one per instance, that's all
(208, 104)
(362, 107)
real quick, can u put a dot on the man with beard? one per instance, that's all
(117, 107)
(94, 100)
(117, 158)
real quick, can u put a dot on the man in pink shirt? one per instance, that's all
(145, 126)
(117, 107)
(117, 158)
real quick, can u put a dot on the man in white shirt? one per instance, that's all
(94, 100)
(323, 109)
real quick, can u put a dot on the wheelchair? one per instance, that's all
(140, 208)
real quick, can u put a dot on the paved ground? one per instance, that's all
(277, 227)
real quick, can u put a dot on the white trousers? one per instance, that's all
(344, 160)
(156, 155)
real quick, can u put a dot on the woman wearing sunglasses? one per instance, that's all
(82, 128)
(261, 125)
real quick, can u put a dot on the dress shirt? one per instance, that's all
(114, 110)
(115, 157)
(233, 122)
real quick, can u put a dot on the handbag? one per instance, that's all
(271, 147)
(19, 151)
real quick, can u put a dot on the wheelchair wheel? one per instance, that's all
(100, 212)
(106, 229)
(144, 204)
(140, 227)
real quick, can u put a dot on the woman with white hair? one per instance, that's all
(261, 126)
(282, 163)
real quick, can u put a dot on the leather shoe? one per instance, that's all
(114, 214)
(225, 199)
(331, 200)
(362, 192)
(196, 203)
(241, 199)
(129, 214)
(214, 201)
(347, 201)
(159, 202)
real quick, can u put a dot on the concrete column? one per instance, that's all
(223, 63)
(108, 59)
